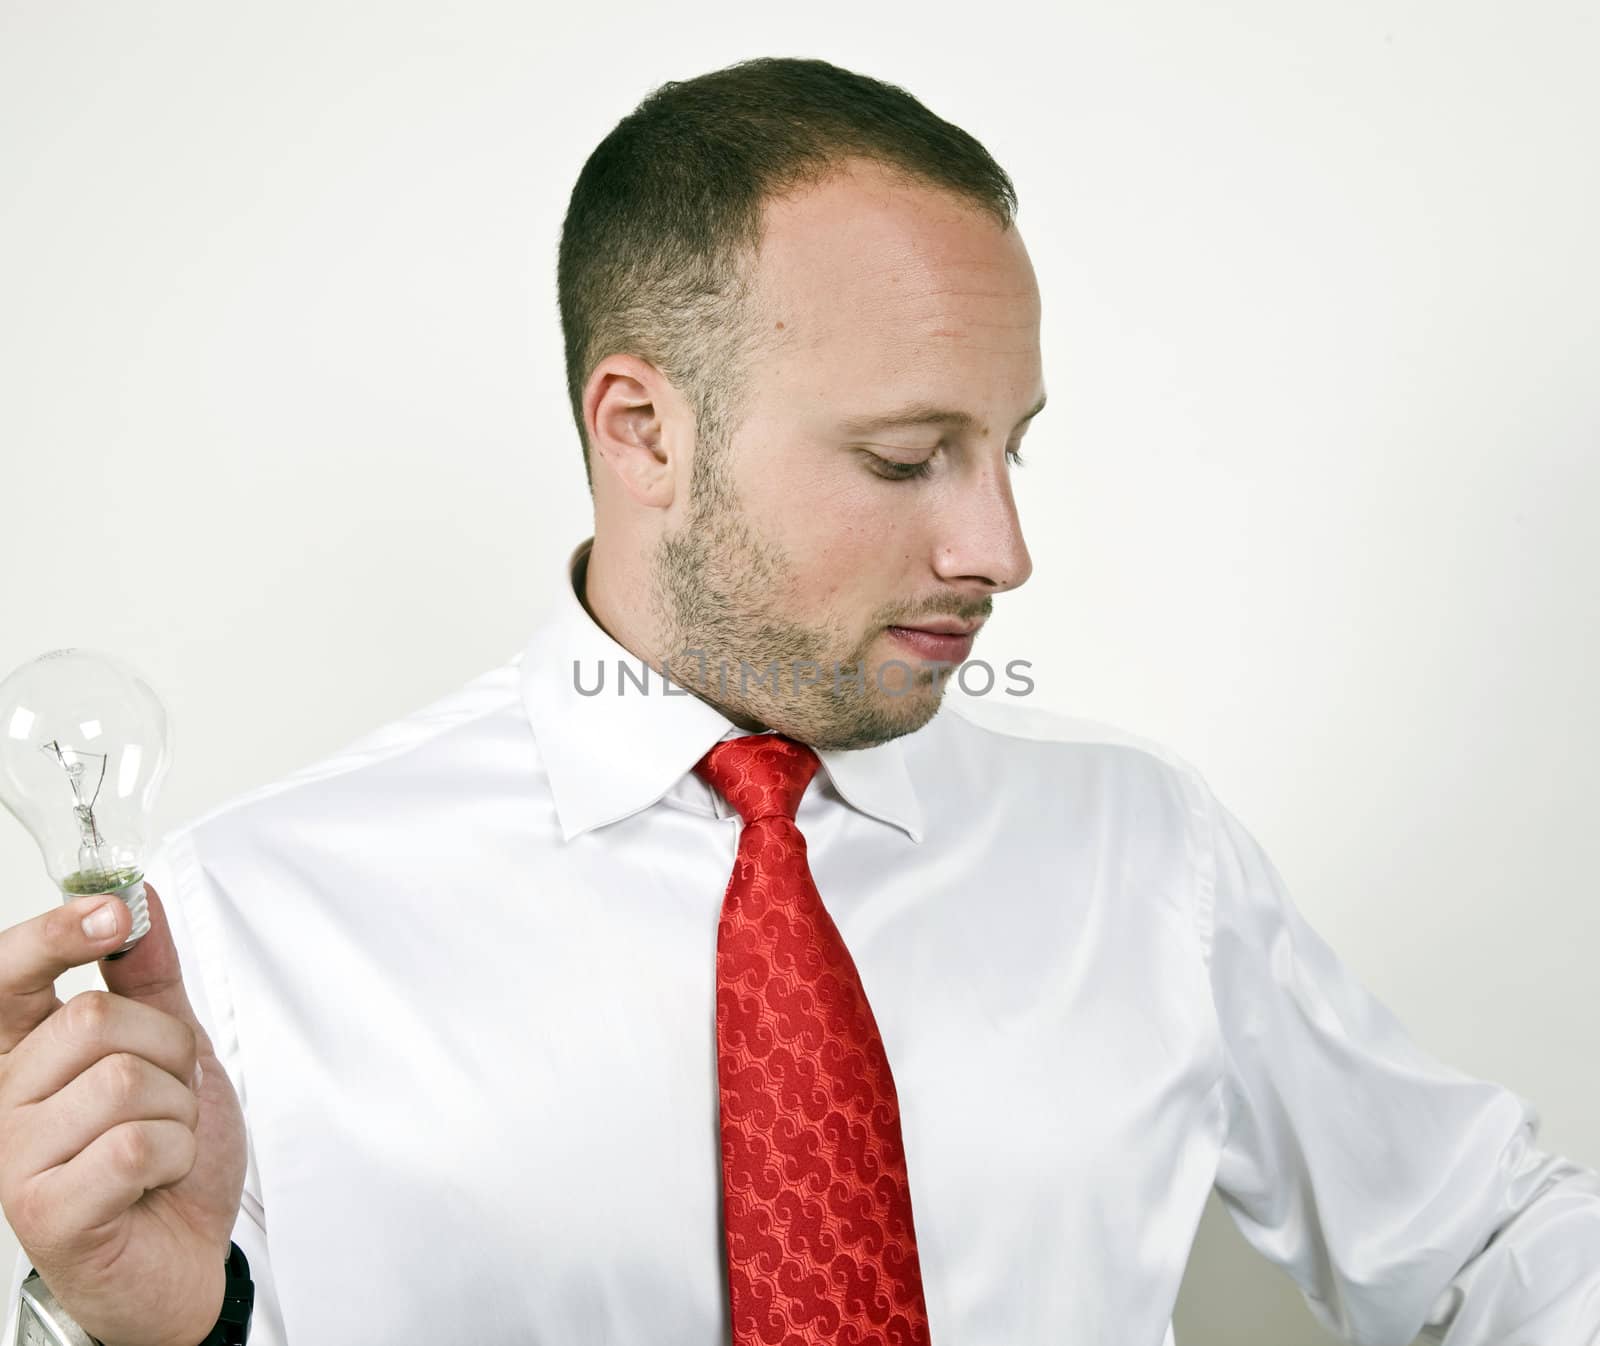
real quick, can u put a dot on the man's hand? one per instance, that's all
(120, 1178)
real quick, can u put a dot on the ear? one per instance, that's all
(636, 428)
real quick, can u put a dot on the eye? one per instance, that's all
(893, 471)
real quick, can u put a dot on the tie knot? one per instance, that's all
(761, 775)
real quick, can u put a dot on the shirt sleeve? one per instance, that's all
(1403, 1196)
(205, 977)
(174, 870)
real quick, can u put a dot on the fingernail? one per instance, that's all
(100, 922)
(198, 1076)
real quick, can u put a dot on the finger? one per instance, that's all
(92, 1025)
(35, 952)
(113, 1172)
(117, 1088)
(150, 973)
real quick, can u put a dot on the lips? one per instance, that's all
(944, 628)
(945, 647)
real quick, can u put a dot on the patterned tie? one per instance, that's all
(816, 1204)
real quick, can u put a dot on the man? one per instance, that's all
(699, 975)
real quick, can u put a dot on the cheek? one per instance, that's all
(844, 534)
(851, 568)
(854, 503)
(813, 505)
(853, 523)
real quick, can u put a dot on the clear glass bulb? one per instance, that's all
(84, 747)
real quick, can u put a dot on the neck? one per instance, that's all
(601, 582)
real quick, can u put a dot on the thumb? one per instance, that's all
(149, 971)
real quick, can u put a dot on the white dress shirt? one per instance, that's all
(462, 975)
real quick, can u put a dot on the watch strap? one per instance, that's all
(238, 1302)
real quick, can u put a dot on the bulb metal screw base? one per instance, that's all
(131, 894)
(134, 899)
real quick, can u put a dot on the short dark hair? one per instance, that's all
(665, 218)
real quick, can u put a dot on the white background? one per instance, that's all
(283, 420)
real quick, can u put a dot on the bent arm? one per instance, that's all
(1401, 1194)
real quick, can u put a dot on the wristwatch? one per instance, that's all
(41, 1321)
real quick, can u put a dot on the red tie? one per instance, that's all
(816, 1205)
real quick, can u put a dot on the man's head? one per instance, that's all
(754, 265)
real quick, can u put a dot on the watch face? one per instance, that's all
(36, 1323)
(31, 1332)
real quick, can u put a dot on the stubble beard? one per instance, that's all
(716, 588)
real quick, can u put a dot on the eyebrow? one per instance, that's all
(923, 413)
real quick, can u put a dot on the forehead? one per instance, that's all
(867, 266)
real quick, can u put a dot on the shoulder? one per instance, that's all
(1050, 765)
(1038, 768)
(374, 765)
(1014, 737)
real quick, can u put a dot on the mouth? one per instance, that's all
(944, 642)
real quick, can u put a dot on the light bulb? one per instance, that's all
(84, 746)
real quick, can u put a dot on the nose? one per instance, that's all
(978, 538)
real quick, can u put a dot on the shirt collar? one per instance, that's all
(609, 755)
